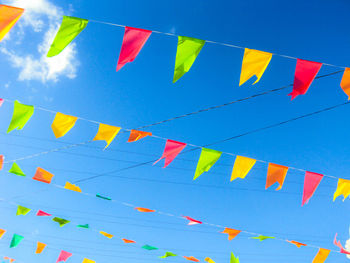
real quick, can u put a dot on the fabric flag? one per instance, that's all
(2, 232)
(21, 210)
(192, 221)
(9, 259)
(343, 188)
(69, 29)
(321, 255)
(207, 159)
(234, 259)
(1, 161)
(21, 115)
(171, 150)
(276, 174)
(60, 221)
(255, 63)
(72, 187)
(262, 238)
(86, 226)
(145, 210)
(191, 258)
(1, 102)
(338, 244)
(133, 41)
(62, 124)
(43, 176)
(242, 167)
(345, 82)
(103, 197)
(209, 260)
(148, 247)
(39, 247)
(106, 133)
(15, 169)
(311, 182)
(168, 254)
(16, 239)
(64, 255)
(106, 234)
(305, 73)
(232, 233)
(128, 241)
(9, 15)
(298, 244)
(42, 213)
(136, 135)
(188, 49)
(86, 260)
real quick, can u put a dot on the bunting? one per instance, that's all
(9, 15)
(262, 238)
(39, 247)
(42, 213)
(148, 247)
(191, 258)
(343, 188)
(1, 161)
(103, 197)
(9, 259)
(168, 254)
(276, 174)
(234, 259)
(106, 234)
(2, 232)
(241, 167)
(232, 233)
(338, 244)
(62, 124)
(207, 159)
(144, 210)
(298, 244)
(15, 169)
(171, 150)
(21, 115)
(21, 210)
(128, 241)
(192, 221)
(86, 226)
(321, 255)
(345, 82)
(62, 222)
(136, 135)
(16, 239)
(43, 175)
(311, 182)
(209, 260)
(72, 187)
(86, 260)
(106, 133)
(63, 256)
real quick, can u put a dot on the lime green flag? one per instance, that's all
(69, 29)
(168, 254)
(234, 259)
(188, 49)
(21, 114)
(60, 221)
(207, 159)
(16, 239)
(16, 170)
(262, 238)
(148, 247)
(21, 210)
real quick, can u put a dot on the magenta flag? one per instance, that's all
(305, 73)
(171, 150)
(42, 213)
(64, 255)
(311, 182)
(133, 41)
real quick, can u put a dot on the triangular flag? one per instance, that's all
(64, 255)
(343, 188)
(133, 41)
(62, 124)
(209, 260)
(86, 260)
(168, 254)
(42, 213)
(232, 233)
(9, 15)
(16, 239)
(128, 241)
(192, 221)
(262, 238)
(1, 102)
(60, 221)
(298, 244)
(84, 226)
(21, 210)
(106, 133)
(21, 115)
(188, 49)
(136, 135)
(69, 29)
(15, 169)
(338, 244)
(305, 73)
(206, 160)
(1, 161)
(191, 258)
(255, 63)
(106, 234)
(39, 247)
(148, 247)
(103, 197)
(145, 210)
(242, 167)
(43, 175)
(171, 150)
(234, 259)
(321, 255)
(72, 187)
(345, 82)
(10, 259)
(2, 232)
(311, 182)
(276, 174)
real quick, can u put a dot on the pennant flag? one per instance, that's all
(103, 197)
(60, 221)
(43, 176)
(192, 221)
(86, 260)
(188, 49)
(1, 161)
(21, 210)
(62, 124)
(209, 260)
(84, 226)
(64, 255)
(9, 259)
(305, 73)
(72, 187)
(338, 244)
(345, 82)
(1, 102)
(262, 238)
(42, 213)
(106, 133)
(276, 174)
(311, 182)
(9, 16)
(242, 167)
(191, 258)
(136, 135)
(343, 188)
(69, 29)
(145, 210)
(232, 233)
(16, 170)
(168, 254)
(106, 234)
(148, 247)
(2, 232)
(128, 241)
(255, 63)
(21, 115)
(207, 159)
(171, 150)
(133, 41)
(39, 247)
(234, 259)
(16, 239)
(298, 244)
(321, 255)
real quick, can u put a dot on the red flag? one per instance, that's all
(338, 244)
(171, 150)
(64, 255)
(42, 213)
(133, 41)
(192, 221)
(305, 72)
(311, 182)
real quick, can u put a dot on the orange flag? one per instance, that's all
(232, 233)
(298, 244)
(276, 174)
(146, 210)
(136, 135)
(1, 161)
(43, 176)
(2, 232)
(345, 82)
(40, 247)
(128, 241)
(10, 259)
(191, 258)
(321, 255)
(9, 15)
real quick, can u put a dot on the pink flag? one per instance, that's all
(338, 244)
(192, 221)
(64, 255)
(1, 102)
(305, 72)
(311, 182)
(133, 41)
(171, 150)
(42, 213)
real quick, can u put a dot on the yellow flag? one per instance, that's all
(242, 167)
(86, 260)
(39, 247)
(343, 188)
(321, 255)
(106, 234)
(72, 187)
(106, 133)
(62, 124)
(209, 260)
(254, 63)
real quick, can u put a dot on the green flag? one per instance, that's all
(188, 49)
(21, 114)
(60, 221)
(207, 159)
(84, 226)
(21, 210)
(148, 247)
(16, 239)
(168, 254)
(16, 170)
(234, 259)
(103, 197)
(69, 29)
(261, 237)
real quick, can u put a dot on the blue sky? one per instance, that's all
(82, 81)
